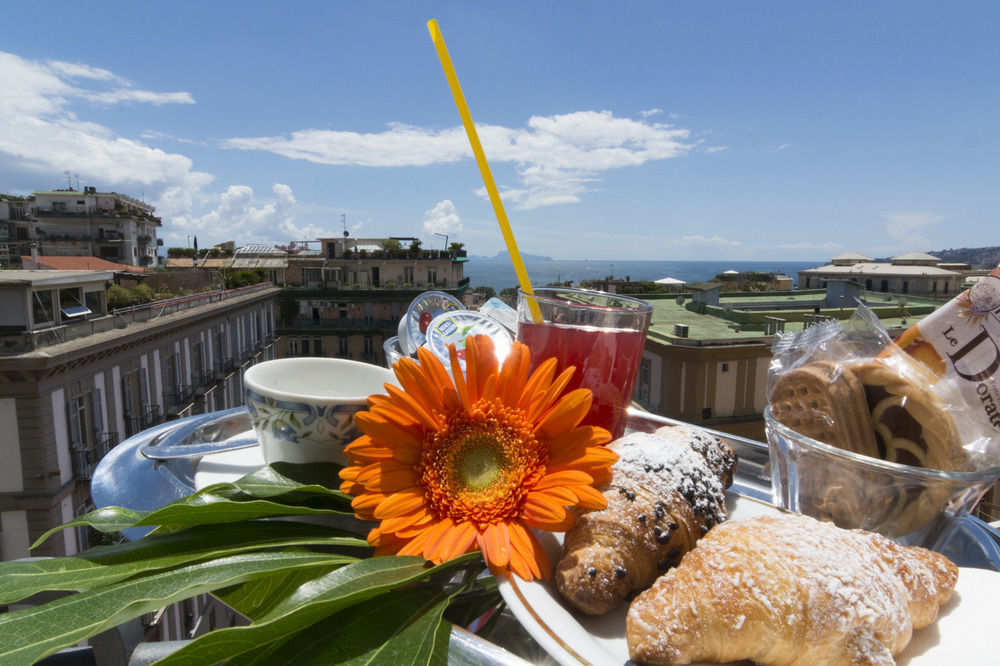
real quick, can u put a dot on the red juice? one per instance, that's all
(606, 360)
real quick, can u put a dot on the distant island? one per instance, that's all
(503, 255)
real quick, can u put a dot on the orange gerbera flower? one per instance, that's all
(447, 467)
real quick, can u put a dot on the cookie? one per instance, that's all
(822, 401)
(911, 424)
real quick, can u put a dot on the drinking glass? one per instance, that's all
(601, 334)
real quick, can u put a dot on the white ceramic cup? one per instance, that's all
(302, 409)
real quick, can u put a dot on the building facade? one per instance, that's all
(346, 298)
(914, 273)
(85, 223)
(76, 380)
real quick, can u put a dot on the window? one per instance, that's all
(41, 308)
(198, 363)
(304, 342)
(344, 348)
(70, 303)
(135, 398)
(643, 386)
(725, 367)
(432, 275)
(94, 300)
(369, 345)
(85, 424)
(317, 346)
(408, 274)
(293, 346)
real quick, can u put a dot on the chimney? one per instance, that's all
(681, 330)
(34, 255)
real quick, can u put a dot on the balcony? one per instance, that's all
(179, 399)
(150, 415)
(85, 460)
(337, 325)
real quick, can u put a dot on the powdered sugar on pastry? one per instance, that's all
(667, 489)
(789, 590)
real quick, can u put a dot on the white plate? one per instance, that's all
(960, 635)
(227, 466)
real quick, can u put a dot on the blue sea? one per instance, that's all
(499, 273)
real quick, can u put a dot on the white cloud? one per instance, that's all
(907, 226)
(650, 112)
(711, 241)
(442, 219)
(41, 133)
(238, 215)
(555, 157)
(781, 148)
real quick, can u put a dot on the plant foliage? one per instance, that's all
(311, 590)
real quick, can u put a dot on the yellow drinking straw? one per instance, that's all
(484, 167)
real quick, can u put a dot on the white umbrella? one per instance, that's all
(670, 280)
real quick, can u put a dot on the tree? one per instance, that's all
(391, 245)
(485, 290)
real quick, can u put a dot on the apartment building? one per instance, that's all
(84, 223)
(76, 380)
(345, 298)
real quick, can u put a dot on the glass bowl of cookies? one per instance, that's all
(910, 504)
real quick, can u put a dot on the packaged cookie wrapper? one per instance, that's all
(961, 341)
(864, 435)
(862, 347)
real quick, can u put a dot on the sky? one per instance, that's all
(745, 130)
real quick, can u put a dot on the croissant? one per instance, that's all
(789, 589)
(667, 490)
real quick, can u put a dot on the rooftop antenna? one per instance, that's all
(69, 183)
(77, 180)
(343, 218)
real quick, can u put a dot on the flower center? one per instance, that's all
(481, 464)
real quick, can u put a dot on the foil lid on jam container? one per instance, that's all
(413, 326)
(453, 327)
(502, 312)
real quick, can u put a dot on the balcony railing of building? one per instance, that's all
(179, 399)
(333, 325)
(85, 460)
(224, 366)
(147, 311)
(385, 290)
(23, 341)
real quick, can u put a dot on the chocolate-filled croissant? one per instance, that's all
(667, 490)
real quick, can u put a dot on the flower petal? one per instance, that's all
(425, 418)
(463, 535)
(539, 380)
(556, 496)
(563, 478)
(407, 522)
(589, 498)
(514, 374)
(529, 560)
(438, 376)
(399, 504)
(567, 414)
(494, 542)
(552, 393)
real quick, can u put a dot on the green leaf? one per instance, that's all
(308, 604)
(105, 565)
(401, 627)
(28, 635)
(108, 519)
